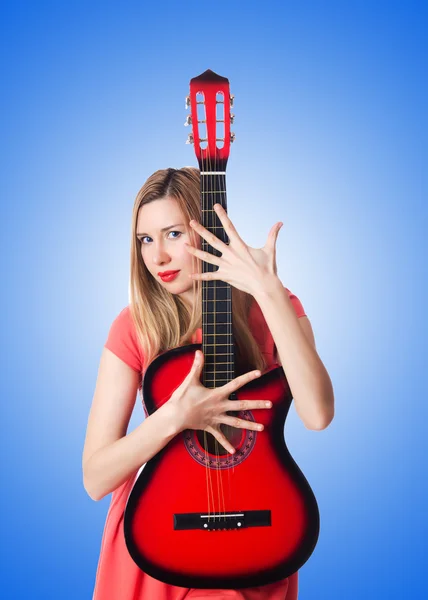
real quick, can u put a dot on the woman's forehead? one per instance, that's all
(160, 213)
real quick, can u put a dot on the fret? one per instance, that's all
(222, 344)
(214, 227)
(213, 191)
(219, 301)
(227, 362)
(219, 285)
(214, 286)
(218, 333)
(220, 322)
(218, 354)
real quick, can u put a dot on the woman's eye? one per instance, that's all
(147, 236)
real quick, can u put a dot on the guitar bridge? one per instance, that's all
(222, 521)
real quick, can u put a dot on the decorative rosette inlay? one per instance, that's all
(243, 441)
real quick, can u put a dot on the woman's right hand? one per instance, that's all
(198, 407)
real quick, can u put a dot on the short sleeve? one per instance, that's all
(122, 340)
(300, 312)
(262, 333)
(297, 305)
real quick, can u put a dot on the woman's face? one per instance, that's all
(162, 231)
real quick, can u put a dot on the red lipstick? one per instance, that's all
(168, 275)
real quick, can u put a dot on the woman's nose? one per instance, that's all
(160, 256)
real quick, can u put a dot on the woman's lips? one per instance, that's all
(170, 277)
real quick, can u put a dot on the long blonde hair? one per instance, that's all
(162, 320)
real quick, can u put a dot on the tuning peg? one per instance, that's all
(231, 99)
(190, 139)
(188, 120)
(187, 101)
(232, 117)
(232, 136)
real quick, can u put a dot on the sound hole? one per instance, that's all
(210, 444)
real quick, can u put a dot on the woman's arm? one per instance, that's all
(308, 378)
(110, 456)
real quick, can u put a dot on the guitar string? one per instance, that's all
(211, 216)
(210, 492)
(229, 367)
(217, 179)
(208, 267)
(214, 179)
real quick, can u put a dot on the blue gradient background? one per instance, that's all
(331, 130)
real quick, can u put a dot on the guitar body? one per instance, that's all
(201, 517)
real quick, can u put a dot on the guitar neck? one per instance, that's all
(217, 335)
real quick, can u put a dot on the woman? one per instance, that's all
(269, 327)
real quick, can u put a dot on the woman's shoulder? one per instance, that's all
(124, 315)
(122, 339)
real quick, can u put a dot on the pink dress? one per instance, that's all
(118, 577)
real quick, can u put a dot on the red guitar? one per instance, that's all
(257, 504)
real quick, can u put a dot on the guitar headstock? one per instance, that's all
(210, 117)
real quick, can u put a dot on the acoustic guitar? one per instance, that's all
(198, 516)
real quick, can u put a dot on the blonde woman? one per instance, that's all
(270, 328)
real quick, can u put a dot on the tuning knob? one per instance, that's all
(188, 120)
(232, 136)
(231, 99)
(232, 117)
(187, 101)
(190, 139)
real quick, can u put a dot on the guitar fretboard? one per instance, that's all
(217, 336)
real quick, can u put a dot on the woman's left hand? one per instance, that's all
(240, 265)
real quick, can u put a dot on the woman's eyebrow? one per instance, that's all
(165, 228)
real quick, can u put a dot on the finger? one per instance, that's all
(205, 256)
(240, 423)
(198, 361)
(209, 237)
(222, 439)
(236, 405)
(198, 358)
(207, 276)
(239, 381)
(273, 236)
(229, 227)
